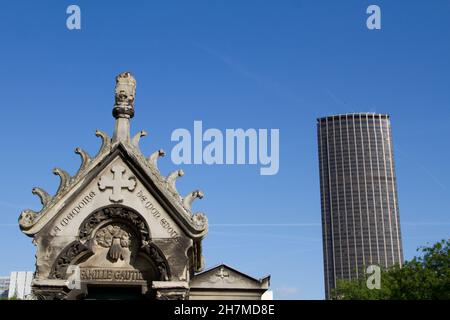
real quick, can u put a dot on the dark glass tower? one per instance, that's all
(360, 218)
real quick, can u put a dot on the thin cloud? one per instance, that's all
(12, 205)
(265, 234)
(287, 291)
(422, 167)
(425, 224)
(265, 225)
(238, 68)
(337, 100)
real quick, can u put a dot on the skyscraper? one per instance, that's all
(360, 218)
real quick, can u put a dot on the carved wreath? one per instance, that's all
(116, 239)
(109, 213)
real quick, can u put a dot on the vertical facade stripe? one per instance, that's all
(369, 231)
(324, 208)
(394, 190)
(355, 247)
(388, 194)
(374, 207)
(344, 189)
(363, 249)
(333, 283)
(337, 202)
(380, 193)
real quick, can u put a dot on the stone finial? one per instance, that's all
(137, 137)
(187, 201)
(124, 96)
(124, 106)
(64, 179)
(153, 159)
(171, 178)
(45, 197)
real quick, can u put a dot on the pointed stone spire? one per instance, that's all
(124, 106)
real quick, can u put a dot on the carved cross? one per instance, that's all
(118, 182)
(222, 274)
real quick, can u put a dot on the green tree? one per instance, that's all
(424, 277)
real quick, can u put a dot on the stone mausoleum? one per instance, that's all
(119, 229)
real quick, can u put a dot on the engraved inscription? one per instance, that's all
(128, 275)
(74, 212)
(157, 215)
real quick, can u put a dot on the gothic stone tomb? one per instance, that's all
(119, 229)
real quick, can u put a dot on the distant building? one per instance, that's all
(16, 286)
(360, 217)
(4, 287)
(20, 284)
(268, 295)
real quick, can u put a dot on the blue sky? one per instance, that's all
(232, 64)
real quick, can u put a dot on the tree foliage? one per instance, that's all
(425, 277)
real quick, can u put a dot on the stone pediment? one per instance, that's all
(121, 178)
(85, 185)
(226, 277)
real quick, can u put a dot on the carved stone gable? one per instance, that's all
(119, 222)
(224, 276)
